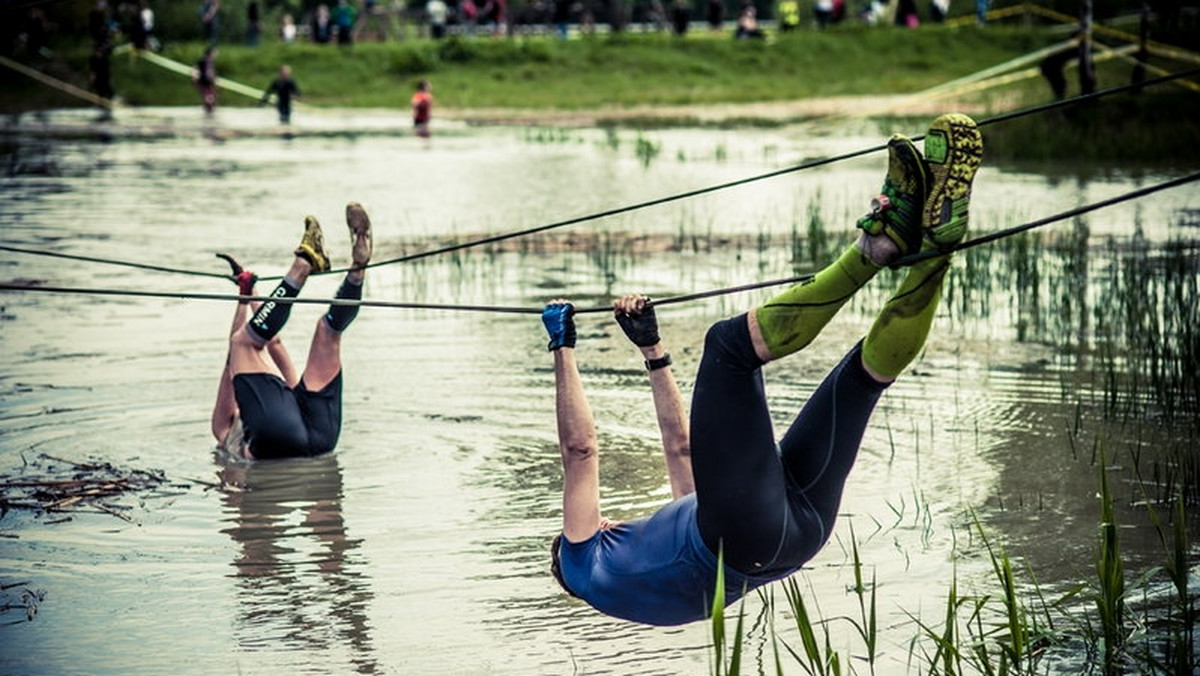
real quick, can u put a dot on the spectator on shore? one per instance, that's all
(981, 8)
(714, 13)
(906, 14)
(789, 15)
(146, 16)
(436, 11)
(422, 108)
(99, 24)
(747, 24)
(253, 24)
(209, 20)
(374, 17)
(283, 88)
(562, 17)
(495, 15)
(344, 17)
(468, 16)
(322, 26)
(939, 10)
(287, 30)
(681, 16)
(205, 78)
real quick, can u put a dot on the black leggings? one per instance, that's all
(771, 507)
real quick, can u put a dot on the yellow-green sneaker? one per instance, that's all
(953, 151)
(360, 233)
(896, 211)
(312, 245)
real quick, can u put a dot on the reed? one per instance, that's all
(1110, 576)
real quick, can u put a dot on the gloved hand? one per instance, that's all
(635, 314)
(559, 319)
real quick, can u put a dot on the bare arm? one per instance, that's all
(225, 408)
(668, 401)
(576, 429)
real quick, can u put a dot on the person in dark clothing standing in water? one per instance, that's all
(264, 408)
(765, 507)
(283, 88)
(205, 78)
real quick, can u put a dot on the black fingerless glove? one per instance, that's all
(641, 328)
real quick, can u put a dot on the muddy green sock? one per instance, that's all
(792, 319)
(900, 329)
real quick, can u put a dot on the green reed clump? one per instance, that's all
(645, 149)
(721, 667)
(1110, 577)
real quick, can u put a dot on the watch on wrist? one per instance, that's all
(655, 364)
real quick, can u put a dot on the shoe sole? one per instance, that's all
(313, 244)
(360, 225)
(953, 153)
(913, 167)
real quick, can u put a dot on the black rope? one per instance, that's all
(671, 300)
(110, 261)
(1004, 117)
(759, 177)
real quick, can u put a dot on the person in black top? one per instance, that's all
(283, 88)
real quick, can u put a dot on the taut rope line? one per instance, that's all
(672, 300)
(1004, 117)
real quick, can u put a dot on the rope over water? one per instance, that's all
(672, 300)
(1004, 117)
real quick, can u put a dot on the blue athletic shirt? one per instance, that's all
(655, 570)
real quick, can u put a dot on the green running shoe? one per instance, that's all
(312, 245)
(896, 212)
(953, 151)
(360, 232)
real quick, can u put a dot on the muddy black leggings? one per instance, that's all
(771, 507)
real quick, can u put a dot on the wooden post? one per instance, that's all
(1087, 69)
(1143, 54)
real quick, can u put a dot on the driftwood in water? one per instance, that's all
(53, 485)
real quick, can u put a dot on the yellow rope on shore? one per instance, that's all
(65, 87)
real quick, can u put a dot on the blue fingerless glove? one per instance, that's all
(560, 324)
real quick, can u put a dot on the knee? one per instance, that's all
(242, 339)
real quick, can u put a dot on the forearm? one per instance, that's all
(672, 424)
(576, 427)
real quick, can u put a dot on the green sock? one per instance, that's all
(900, 329)
(793, 319)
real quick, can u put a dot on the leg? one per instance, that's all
(741, 489)
(791, 320)
(953, 150)
(324, 355)
(820, 447)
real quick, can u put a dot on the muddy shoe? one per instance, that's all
(896, 212)
(312, 245)
(360, 231)
(953, 151)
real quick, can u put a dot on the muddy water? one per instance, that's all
(420, 545)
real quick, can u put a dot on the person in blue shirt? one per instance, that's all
(765, 507)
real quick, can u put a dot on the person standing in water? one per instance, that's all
(283, 88)
(422, 108)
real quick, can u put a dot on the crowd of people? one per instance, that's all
(344, 22)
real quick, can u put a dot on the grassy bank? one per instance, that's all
(544, 73)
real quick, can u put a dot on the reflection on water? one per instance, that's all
(302, 583)
(421, 545)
